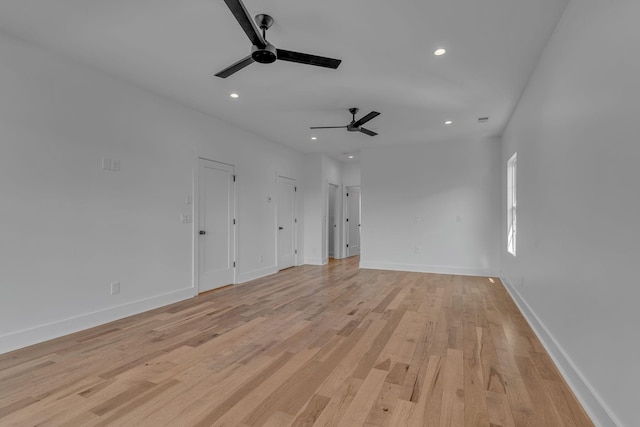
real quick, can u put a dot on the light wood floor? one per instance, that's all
(322, 346)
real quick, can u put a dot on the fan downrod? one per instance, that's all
(350, 126)
(268, 54)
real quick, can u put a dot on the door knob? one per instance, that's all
(280, 228)
(202, 232)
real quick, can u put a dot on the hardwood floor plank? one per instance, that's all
(539, 398)
(241, 392)
(475, 405)
(453, 390)
(430, 402)
(492, 373)
(569, 410)
(498, 410)
(384, 405)
(311, 412)
(371, 355)
(339, 403)
(363, 401)
(136, 403)
(122, 398)
(312, 345)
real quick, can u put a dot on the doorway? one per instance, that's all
(352, 197)
(286, 223)
(216, 225)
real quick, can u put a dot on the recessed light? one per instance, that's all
(351, 157)
(314, 138)
(234, 95)
(439, 52)
(448, 122)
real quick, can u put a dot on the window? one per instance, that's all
(511, 204)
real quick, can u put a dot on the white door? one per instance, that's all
(353, 221)
(286, 227)
(333, 222)
(216, 238)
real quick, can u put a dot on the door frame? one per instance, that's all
(280, 177)
(195, 226)
(345, 211)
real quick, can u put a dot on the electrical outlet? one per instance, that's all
(115, 288)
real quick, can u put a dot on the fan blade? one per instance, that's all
(305, 58)
(245, 21)
(368, 132)
(327, 127)
(365, 119)
(235, 67)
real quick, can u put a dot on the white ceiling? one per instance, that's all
(175, 47)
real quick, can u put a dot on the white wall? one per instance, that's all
(576, 135)
(70, 228)
(313, 208)
(432, 207)
(350, 173)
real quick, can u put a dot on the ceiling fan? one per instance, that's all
(355, 125)
(262, 51)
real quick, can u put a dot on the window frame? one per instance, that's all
(512, 204)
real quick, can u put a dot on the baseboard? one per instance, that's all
(256, 274)
(600, 413)
(316, 261)
(421, 268)
(38, 334)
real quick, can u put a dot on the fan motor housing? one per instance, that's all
(264, 56)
